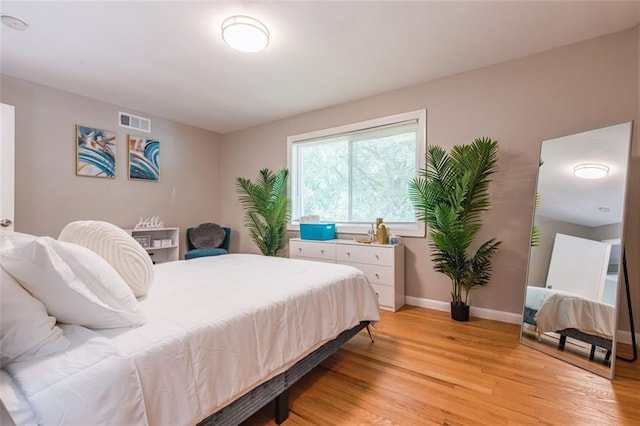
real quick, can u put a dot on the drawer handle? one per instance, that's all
(322, 251)
(348, 254)
(377, 257)
(300, 249)
(377, 276)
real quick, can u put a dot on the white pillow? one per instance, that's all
(10, 238)
(75, 284)
(26, 331)
(117, 247)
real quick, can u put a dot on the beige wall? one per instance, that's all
(519, 103)
(49, 194)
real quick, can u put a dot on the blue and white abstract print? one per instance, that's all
(96, 153)
(144, 159)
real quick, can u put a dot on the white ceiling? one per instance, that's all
(566, 197)
(168, 59)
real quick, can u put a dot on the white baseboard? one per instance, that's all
(489, 314)
(623, 336)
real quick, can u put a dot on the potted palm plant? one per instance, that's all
(267, 209)
(449, 196)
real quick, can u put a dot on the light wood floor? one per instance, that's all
(426, 369)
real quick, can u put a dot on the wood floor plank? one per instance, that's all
(425, 369)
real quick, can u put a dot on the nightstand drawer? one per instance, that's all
(385, 296)
(375, 274)
(319, 251)
(371, 254)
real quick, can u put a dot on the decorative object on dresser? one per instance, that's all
(449, 196)
(267, 209)
(149, 222)
(207, 239)
(156, 242)
(382, 264)
(95, 152)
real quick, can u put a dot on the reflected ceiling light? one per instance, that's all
(591, 170)
(13, 22)
(245, 34)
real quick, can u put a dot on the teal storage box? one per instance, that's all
(317, 231)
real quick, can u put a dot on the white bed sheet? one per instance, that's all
(219, 326)
(91, 382)
(558, 310)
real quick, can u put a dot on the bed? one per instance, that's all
(572, 316)
(223, 336)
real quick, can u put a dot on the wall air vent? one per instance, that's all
(131, 121)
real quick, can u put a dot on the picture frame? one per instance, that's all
(95, 152)
(143, 240)
(144, 158)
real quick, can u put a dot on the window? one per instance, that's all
(352, 174)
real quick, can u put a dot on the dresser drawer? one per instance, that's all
(385, 296)
(319, 251)
(376, 274)
(370, 254)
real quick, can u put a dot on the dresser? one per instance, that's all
(382, 264)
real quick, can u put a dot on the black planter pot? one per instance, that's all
(459, 311)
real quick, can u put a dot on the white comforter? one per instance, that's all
(91, 382)
(218, 327)
(558, 310)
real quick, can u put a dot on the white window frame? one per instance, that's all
(414, 229)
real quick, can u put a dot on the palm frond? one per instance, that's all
(267, 209)
(449, 195)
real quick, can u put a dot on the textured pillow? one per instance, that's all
(207, 235)
(26, 330)
(75, 284)
(117, 247)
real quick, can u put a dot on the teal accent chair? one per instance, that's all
(193, 252)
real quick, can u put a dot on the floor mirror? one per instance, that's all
(571, 301)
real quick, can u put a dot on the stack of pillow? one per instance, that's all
(90, 276)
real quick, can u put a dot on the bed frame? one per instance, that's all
(277, 388)
(594, 341)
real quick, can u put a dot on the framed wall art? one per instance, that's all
(95, 152)
(144, 156)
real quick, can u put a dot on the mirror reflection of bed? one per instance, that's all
(570, 309)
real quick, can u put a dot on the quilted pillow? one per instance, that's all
(115, 246)
(207, 235)
(26, 330)
(75, 284)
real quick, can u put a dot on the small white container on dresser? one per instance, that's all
(382, 264)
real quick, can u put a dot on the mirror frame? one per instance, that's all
(589, 365)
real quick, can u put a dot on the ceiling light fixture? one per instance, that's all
(13, 22)
(245, 34)
(591, 171)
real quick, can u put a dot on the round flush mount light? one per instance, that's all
(245, 34)
(591, 171)
(13, 22)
